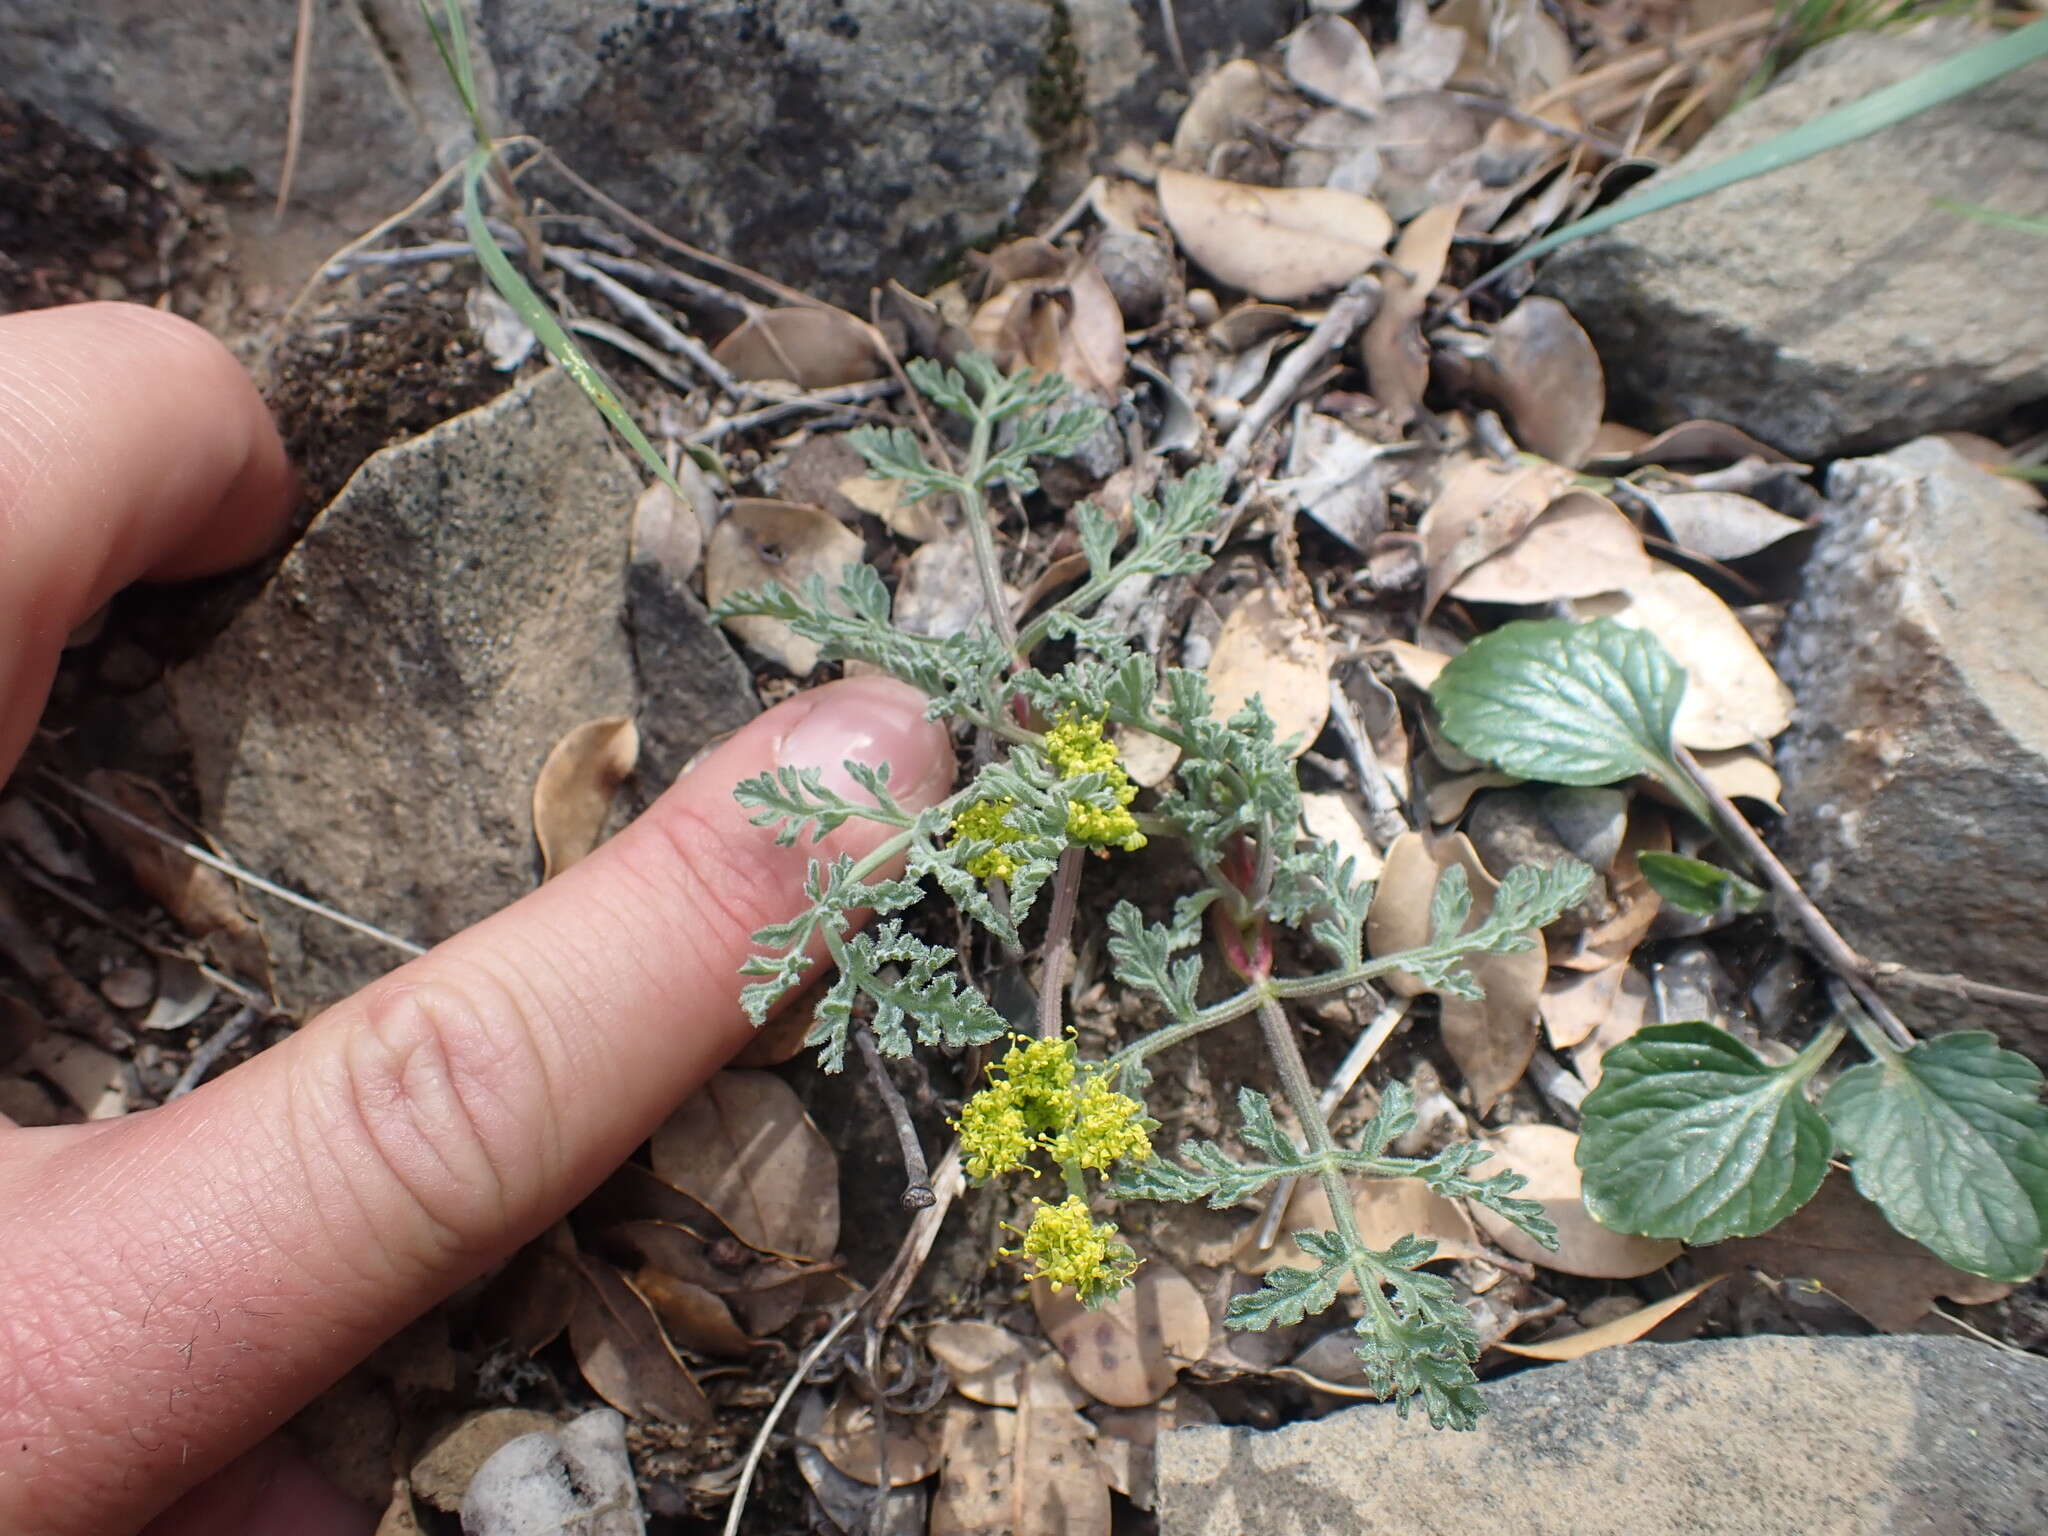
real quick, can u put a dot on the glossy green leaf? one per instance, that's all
(1695, 886)
(1691, 1135)
(1950, 1141)
(1567, 703)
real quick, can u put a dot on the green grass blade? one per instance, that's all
(533, 309)
(451, 39)
(1880, 109)
(1997, 218)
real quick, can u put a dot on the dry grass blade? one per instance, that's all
(1623, 1330)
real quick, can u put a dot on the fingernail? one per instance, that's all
(871, 720)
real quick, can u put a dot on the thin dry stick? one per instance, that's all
(917, 1193)
(1382, 803)
(82, 1012)
(295, 113)
(215, 1046)
(1059, 943)
(235, 872)
(1952, 985)
(657, 363)
(1349, 1071)
(651, 320)
(1827, 942)
(947, 1183)
(776, 1409)
(1652, 57)
(839, 395)
(1340, 322)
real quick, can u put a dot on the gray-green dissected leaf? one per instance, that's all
(1568, 703)
(1691, 1135)
(1950, 1140)
(1695, 886)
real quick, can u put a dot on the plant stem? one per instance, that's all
(1059, 942)
(917, 1193)
(1300, 1090)
(981, 538)
(1826, 940)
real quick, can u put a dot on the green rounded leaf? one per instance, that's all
(1695, 886)
(1950, 1141)
(1691, 1135)
(1564, 702)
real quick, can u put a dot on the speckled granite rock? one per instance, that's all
(1897, 1436)
(1831, 307)
(1916, 769)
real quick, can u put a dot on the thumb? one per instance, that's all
(183, 1280)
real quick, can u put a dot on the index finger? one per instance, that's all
(132, 445)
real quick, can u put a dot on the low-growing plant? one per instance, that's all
(1054, 796)
(1691, 1134)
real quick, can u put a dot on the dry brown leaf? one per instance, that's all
(1417, 665)
(624, 1355)
(1128, 1351)
(1547, 1156)
(530, 1302)
(1482, 509)
(1067, 323)
(977, 1472)
(1490, 1038)
(886, 499)
(1148, 759)
(1625, 1019)
(1843, 1241)
(1224, 101)
(1271, 649)
(1396, 357)
(1742, 775)
(1276, 242)
(810, 346)
(573, 794)
(183, 993)
(743, 1146)
(1732, 697)
(1425, 54)
(784, 542)
(93, 1079)
(1689, 442)
(1636, 900)
(441, 1473)
(26, 829)
(203, 901)
(1126, 206)
(693, 1316)
(1623, 1330)
(896, 1456)
(1579, 546)
(1720, 524)
(1447, 799)
(1326, 57)
(1031, 1471)
(669, 533)
(985, 1362)
(1541, 366)
(1334, 819)
(129, 986)
(1577, 1003)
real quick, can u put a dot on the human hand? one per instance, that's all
(178, 1282)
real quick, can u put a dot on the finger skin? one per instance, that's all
(179, 1282)
(132, 445)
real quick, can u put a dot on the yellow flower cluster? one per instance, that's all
(1068, 1246)
(1038, 1100)
(989, 820)
(1075, 747)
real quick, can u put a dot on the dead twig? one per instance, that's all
(917, 1192)
(1890, 972)
(837, 396)
(774, 1415)
(235, 871)
(1382, 803)
(215, 1046)
(651, 320)
(78, 1009)
(1826, 940)
(1340, 322)
(295, 112)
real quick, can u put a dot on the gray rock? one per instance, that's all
(1831, 306)
(693, 686)
(1749, 1437)
(369, 728)
(1916, 770)
(824, 141)
(213, 98)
